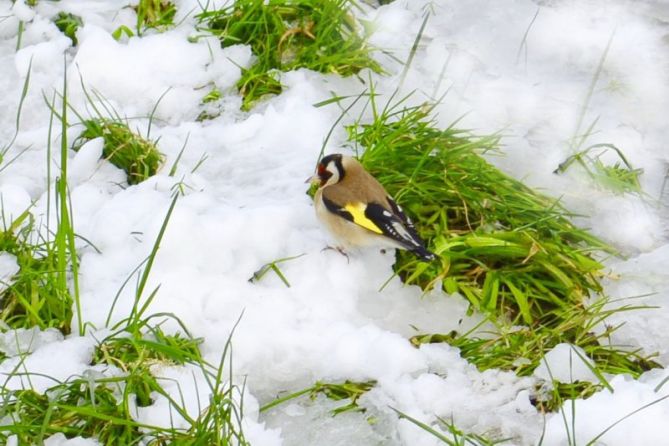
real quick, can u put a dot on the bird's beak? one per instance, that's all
(312, 179)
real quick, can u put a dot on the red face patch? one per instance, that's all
(323, 174)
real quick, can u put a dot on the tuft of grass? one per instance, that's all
(127, 150)
(45, 288)
(128, 353)
(68, 24)
(213, 108)
(520, 348)
(151, 14)
(136, 354)
(620, 177)
(154, 14)
(213, 96)
(510, 251)
(553, 400)
(34, 296)
(104, 407)
(348, 390)
(74, 408)
(4, 149)
(286, 35)
(617, 177)
(453, 436)
(273, 266)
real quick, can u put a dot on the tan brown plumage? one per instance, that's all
(358, 211)
(357, 185)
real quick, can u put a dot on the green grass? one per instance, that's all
(34, 297)
(450, 434)
(151, 15)
(274, 267)
(135, 154)
(520, 348)
(136, 354)
(154, 14)
(504, 247)
(103, 407)
(68, 24)
(4, 149)
(78, 407)
(286, 35)
(127, 150)
(510, 251)
(553, 399)
(44, 293)
(349, 391)
(620, 177)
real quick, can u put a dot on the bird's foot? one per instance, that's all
(339, 249)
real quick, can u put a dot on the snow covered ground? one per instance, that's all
(504, 69)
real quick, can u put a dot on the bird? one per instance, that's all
(358, 211)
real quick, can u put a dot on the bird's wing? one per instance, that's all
(416, 244)
(397, 210)
(376, 218)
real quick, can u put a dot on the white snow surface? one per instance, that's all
(245, 205)
(567, 364)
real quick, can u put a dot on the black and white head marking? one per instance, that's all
(330, 169)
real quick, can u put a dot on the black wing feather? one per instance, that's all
(397, 210)
(397, 226)
(332, 207)
(394, 225)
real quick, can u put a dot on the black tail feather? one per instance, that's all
(424, 254)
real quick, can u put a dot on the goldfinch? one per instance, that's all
(358, 211)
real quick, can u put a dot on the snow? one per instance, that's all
(567, 364)
(605, 409)
(38, 370)
(8, 269)
(245, 205)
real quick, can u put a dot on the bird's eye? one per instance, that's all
(323, 174)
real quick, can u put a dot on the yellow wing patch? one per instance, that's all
(357, 210)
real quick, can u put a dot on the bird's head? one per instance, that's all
(330, 170)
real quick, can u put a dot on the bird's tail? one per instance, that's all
(424, 254)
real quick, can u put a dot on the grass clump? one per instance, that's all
(34, 297)
(449, 433)
(617, 177)
(127, 150)
(151, 14)
(102, 404)
(135, 355)
(552, 400)
(79, 407)
(154, 14)
(348, 390)
(211, 103)
(511, 252)
(286, 35)
(128, 353)
(521, 348)
(68, 24)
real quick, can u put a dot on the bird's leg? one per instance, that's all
(340, 250)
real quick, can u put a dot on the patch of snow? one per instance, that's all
(566, 363)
